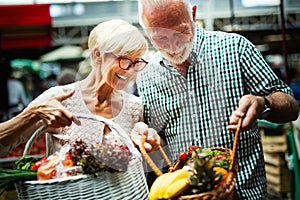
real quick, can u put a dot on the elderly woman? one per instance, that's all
(105, 111)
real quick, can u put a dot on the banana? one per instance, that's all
(155, 190)
(176, 188)
(162, 183)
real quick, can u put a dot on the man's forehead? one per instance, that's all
(166, 16)
(160, 30)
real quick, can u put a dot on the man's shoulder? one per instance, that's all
(221, 35)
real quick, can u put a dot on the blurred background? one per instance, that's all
(43, 43)
(49, 35)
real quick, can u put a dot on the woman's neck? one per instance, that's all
(100, 98)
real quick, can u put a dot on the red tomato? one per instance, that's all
(68, 156)
(38, 163)
(190, 149)
(182, 156)
(219, 157)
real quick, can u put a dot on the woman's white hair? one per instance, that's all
(116, 36)
(151, 4)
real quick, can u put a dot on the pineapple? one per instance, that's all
(204, 178)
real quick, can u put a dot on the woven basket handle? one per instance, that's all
(149, 160)
(235, 141)
(32, 139)
(113, 125)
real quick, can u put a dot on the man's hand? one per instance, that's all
(53, 113)
(153, 139)
(249, 109)
(284, 108)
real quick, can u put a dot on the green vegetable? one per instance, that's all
(208, 152)
(10, 176)
(224, 163)
(25, 162)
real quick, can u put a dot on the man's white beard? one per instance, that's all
(178, 58)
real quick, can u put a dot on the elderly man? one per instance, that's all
(201, 82)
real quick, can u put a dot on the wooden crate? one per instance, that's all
(276, 159)
(276, 143)
(277, 178)
(277, 173)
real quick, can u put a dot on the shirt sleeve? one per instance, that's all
(258, 76)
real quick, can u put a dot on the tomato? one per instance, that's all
(38, 163)
(220, 157)
(182, 156)
(190, 149)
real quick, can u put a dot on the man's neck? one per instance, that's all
(182, 68)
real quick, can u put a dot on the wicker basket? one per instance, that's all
(105, 186)
(224, 192)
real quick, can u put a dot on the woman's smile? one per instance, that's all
(121, 76)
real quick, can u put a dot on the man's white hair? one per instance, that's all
(151, 4)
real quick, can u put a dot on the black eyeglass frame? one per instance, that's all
(138, 60)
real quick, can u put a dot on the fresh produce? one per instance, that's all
(182, 156)
(21, 173)
(221, 160)
(195, 171)
(191, 148)
(48, 169)
(55, 166)
(164, 188)
(177, 188)
(10, 176)
(224, 173)
(204, 178)
(38, 163)
(25, 162)
(104, 157)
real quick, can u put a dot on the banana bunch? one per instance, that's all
(169, 185)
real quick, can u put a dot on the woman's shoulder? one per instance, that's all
(132, 98)
(54, 91)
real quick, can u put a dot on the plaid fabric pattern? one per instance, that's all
(195, 109)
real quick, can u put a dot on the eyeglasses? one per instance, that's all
(125, 63)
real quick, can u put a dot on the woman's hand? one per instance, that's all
(53, 113)
(152, 138)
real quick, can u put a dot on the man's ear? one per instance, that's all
(194, 10)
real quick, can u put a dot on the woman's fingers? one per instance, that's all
(152, 138)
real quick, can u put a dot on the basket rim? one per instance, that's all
(57, 179)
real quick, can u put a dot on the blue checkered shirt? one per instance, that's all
(195, 109)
